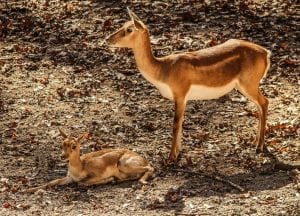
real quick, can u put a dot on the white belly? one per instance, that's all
(196, 92)
(200, 92)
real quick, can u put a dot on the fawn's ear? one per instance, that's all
(80, 138)
(63, 134)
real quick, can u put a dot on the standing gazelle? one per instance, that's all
(201, 75)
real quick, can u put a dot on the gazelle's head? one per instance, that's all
(70, 145)
(130, 34)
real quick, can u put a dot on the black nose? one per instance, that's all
(63, 157)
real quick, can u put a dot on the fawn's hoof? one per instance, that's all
(143, 181)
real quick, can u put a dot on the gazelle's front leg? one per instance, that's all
(177, 128)
(62, 181)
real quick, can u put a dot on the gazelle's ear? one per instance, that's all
(62, 133)
(138, 23)
(132, 15)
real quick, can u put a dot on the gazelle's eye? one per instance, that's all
(129, 30)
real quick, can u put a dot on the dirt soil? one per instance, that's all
(55, 72)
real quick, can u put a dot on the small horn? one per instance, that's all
(62, 133)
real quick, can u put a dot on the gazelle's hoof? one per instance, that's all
(262, 150)
(172, 159)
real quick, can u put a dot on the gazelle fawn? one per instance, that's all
(99, 167)
(201, 75)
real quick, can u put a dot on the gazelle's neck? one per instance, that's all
(147, 64)
(75, 162)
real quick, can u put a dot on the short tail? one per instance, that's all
(268, 62)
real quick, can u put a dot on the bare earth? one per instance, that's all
(55, 73)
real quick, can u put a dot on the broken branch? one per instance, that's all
(218, 178)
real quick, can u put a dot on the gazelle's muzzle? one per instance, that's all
(109, 40)
(112, 39)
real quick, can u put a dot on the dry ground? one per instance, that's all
(55, 73)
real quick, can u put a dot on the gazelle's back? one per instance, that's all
(214, 66)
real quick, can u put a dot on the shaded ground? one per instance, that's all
(55, 73)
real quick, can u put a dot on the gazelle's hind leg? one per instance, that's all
(255, 95)
(98, 180)
(134, 167)
(148, 172)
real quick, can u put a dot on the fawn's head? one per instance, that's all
(130, 34)
(70, 145)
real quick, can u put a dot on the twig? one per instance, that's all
(284, 164)
(189, 214)
(218, 178)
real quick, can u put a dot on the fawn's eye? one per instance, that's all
(74, 147)
(129, 30)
